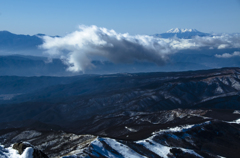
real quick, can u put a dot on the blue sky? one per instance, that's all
(59, 17)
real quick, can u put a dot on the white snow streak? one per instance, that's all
(12, 153)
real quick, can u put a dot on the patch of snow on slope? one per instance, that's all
(236, 121)
(124, 150)
(162, 150)
(236, 112)
(190, 152)
(130, 129)
(98, 147)
(26, 135)
(159, 149)
(12, 153)
(180, 128)
(28, 153)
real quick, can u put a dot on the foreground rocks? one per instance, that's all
(170, 134)
(20, 147)
(51, 143)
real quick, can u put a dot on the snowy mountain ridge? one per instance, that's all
(182, 33)
(179, 30)
(175, 142)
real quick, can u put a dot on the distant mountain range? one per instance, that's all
(11, 43)
(181, 33)
(27, 44)
(19, 55)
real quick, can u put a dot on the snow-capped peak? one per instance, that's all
(177, 30)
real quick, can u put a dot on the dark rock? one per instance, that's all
(20, 147)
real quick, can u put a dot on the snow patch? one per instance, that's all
(190, 152)
(162, 150)
(28, 153)
(12, 153)
(157, 148)
(26, 135)
(98, 147)
(130, 129)
(236, 121)
(124, 150)
(236, 112)
(180, 128)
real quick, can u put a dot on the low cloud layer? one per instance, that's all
(227, 55)
(77, 49)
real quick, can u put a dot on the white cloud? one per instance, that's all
(78, 48)
(227, 55)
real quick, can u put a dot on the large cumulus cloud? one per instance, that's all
(77, 49)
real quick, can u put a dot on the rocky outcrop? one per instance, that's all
(51, 143)
(21, 146)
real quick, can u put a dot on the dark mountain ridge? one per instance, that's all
(88, 97)
(9, 40)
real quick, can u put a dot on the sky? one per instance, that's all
(60, 17)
